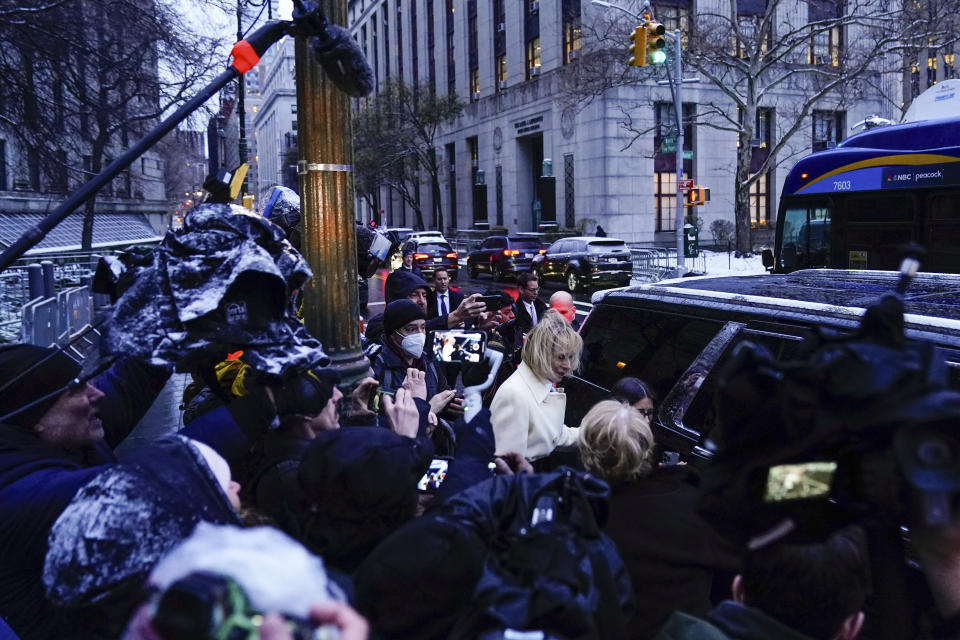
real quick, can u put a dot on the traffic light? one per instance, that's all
(697, 196)
(655, 42)
(638, 47)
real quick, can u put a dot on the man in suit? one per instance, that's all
(442, 300)
(528, 309)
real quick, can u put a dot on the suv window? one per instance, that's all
(497, 243)
(433, 246)
(556, 247)
(523, 243)
(660, 348)
(606, 246)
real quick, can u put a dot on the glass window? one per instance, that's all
(760, 202)
(661, 346)
(828, 129)
(665, 199)
(533, 55)
(806, 236)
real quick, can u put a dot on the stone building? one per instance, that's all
(523, 156)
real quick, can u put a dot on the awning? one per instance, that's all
(109, 230)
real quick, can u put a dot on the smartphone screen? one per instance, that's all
(799, 481)
(434, 476)
(457, 345)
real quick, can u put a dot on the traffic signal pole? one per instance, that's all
(678, 107)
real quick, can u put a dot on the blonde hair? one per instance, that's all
(616, 442)
(553, 334)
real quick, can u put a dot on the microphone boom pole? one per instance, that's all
(246, 54)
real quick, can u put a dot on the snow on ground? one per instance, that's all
(721, 263)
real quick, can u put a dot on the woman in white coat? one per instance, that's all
(528, 409)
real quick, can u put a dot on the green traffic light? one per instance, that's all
(658, 57)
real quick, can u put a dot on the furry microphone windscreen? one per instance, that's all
(343, 60)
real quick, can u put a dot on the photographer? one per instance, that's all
(49, 451)
(790, 592)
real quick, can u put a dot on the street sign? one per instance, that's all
(688, 155)
(668, 144)
(686, 184)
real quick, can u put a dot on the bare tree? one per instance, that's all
(395, 139)
(88, 78)
(778, 54)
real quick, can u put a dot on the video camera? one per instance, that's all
(861, 428)
(208, 606)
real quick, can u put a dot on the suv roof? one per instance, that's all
(932, 301)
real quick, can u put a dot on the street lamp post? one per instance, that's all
(330, 306)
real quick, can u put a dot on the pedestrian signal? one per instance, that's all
(696, 196)
(638, 48)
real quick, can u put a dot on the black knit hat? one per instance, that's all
(307, 394)
(401, 284)
(399, 313)
(47, 370)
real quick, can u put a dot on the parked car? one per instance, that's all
(503, 255)
(677, 334)
(425, 234)
(429, 252)
(585, 261)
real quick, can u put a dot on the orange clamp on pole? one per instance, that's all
(244, 56)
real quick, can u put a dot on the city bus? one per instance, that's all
(854, 206)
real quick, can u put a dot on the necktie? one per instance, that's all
(443, 304)
(532, 310)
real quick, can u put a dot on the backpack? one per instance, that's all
(548, 567)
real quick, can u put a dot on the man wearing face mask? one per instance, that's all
(404, 337)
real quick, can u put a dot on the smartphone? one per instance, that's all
(494, 302)
(435, 475)
(799, 481)
(376, 399)
(458, 345)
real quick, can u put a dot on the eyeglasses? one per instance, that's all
(537, 290)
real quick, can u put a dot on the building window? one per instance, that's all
(451, 60)
(914, 80)
(499, 195)
(760, 202)
(500, 44)
(452, 164)
(58, 174)
(675, 17)
(3, 165)
(665, 136)
(750, 20)
(415, 59)
(665, 200)
(533, 57)
(826, 40)
(948, 69)
(33, 169)
(571, 30)
(932, 69)
(568, 192)
(473, 55)
(828, 127)
(431, 46)
(293, 107)
(386, 40)
(376, 52)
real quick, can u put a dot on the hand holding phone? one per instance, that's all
(457, 345)
(493, 302)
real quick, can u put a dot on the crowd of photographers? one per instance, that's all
(440, 496)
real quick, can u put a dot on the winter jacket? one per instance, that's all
(390, 369)
(670, 552)
(38, 480)
(527, 416)
(729, 621)
(118, 525)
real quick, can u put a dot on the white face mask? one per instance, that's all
(413, 344)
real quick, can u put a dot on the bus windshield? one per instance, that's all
(806, 236)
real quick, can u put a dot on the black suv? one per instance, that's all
(430, 252)
(502, 255)
(584, 261)
(677, 334)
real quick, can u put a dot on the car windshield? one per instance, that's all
(523, 243)
(430, 247)
(606, 246)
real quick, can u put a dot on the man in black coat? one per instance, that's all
(528, 309)
(49, 451)
(442, 300)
